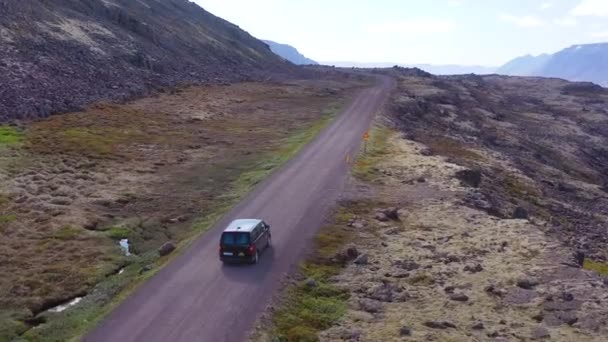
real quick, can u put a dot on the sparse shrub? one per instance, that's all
(118, 232)
(67, 233)
(600, 267)
(10, 135)
(421, 279)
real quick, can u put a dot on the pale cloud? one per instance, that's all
(591, 8)
(523, 21)
(454, 3)
(546, 5)
(565, 21)
(415, 26)
(601, 34)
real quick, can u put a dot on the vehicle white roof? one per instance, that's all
(242, 225)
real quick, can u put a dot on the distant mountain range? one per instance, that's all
(433, 69)
(577, 63)
(289, 53)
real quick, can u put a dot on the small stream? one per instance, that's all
(124, 245)
(63, 307)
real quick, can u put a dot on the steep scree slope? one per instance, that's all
(57, 55)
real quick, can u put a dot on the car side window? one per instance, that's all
(255, 233)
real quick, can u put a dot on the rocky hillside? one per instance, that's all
(476, 213)
(576, 63)
(289, 53)
(59, 55)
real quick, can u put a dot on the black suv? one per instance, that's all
(244, 240)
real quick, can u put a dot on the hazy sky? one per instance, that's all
(482, 32)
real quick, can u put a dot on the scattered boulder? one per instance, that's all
(362, 259)
(564, 187)
(520, 213)
(493, 290)
(579, 258)
(166, 248)
(558, 318)
(473, 269)
(381, 217)
(347, 254)
(527, 283)
(562, 306)
(349, 334)
(405, 331)
(387, 214)
(145, 269)
(438, 325)
(387, 292)
(459, 297)
(408, 265)
(478, 326)
(540, 333)
(370, 305)
(310, 283)
(469, 178)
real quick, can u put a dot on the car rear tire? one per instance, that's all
(256, 258)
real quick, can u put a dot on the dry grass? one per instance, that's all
(95, 177)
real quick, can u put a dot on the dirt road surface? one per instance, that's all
(196, 298)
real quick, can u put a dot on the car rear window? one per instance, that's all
(229, 239)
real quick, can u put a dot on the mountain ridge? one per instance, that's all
(581, 62)
(289, 53)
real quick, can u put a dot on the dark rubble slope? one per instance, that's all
(58, 55)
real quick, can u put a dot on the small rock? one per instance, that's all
(527, 284)
(352, 252)
(520, 213)
(438, 325)
(565, 187)
(421, 180)
(369, 305)
(449, 289)
(478, 326)
(384, 244)
(145, 269)
(473, 269)
(393, 231)
(409, 265)
(166, 248)
(381, 217)
(459, 297)
(426, 152)
(579, 258)
(567, 296)
(358, 225)
(362, 259)
(311, 283)
(350, 334)
(492, 334)
(405, 331)
(540, 333)
(470, 178)
(554, 319)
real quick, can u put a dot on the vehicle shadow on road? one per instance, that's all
(247, 273)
